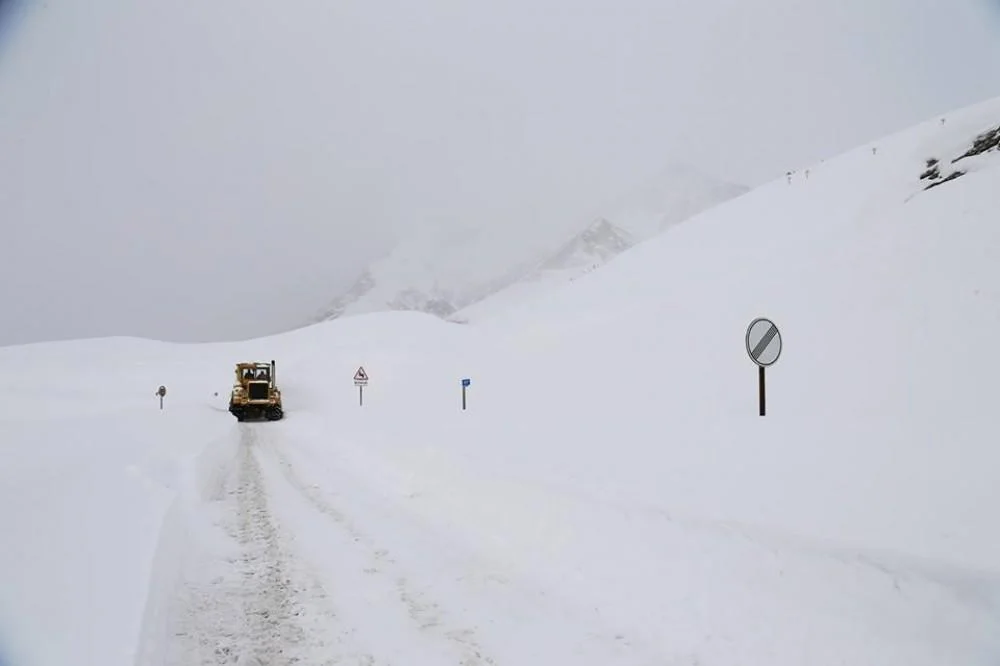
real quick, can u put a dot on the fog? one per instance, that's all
(200, 171)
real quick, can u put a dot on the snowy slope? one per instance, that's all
(437, 270)
(867, 273)
(609, 497)
(673, 195)
(442, 269)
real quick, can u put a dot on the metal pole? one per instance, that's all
(760, 382)
(463, 397)
(361, 395)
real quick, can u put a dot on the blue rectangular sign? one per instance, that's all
(466, 382)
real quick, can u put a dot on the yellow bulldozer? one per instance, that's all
(255, 394)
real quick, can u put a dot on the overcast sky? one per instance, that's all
(207, 170)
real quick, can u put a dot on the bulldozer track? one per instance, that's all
(424, 613)
(272, 605)
(244, 595)
(256, 604)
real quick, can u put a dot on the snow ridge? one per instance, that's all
(445, 271)
(596, 244)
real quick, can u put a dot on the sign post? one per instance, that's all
(162, 392)
(465, 385)
(361, 381)
(764, 348)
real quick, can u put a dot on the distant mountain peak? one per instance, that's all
(441, 270)
(597, 243)
(364, 284)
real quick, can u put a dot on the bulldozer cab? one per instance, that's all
(254, 392)
(247, 372)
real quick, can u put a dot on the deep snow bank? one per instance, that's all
(90, 467)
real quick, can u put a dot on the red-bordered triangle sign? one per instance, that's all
(361, 375)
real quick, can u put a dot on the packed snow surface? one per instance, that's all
(610, 496)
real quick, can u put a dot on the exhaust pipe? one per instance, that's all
(273, 380)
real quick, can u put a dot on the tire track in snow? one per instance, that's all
(424, 613)
(273, 605)
(256, 605)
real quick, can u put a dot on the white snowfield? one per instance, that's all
(609, 497)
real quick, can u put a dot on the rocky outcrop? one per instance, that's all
(983, 143)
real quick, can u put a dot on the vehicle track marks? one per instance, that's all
(424, 613)
(255, 604)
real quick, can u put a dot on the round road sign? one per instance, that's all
(763, 341)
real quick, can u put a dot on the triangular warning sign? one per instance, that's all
(361, 375)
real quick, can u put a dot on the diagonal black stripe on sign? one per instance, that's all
(764, 342)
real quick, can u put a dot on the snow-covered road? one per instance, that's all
(292, 549)
(239, 595)
(251, 590)
(404, 532)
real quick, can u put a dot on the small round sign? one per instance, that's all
(763, 342)
(162, 391)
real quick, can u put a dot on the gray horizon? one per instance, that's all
(218, 171)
